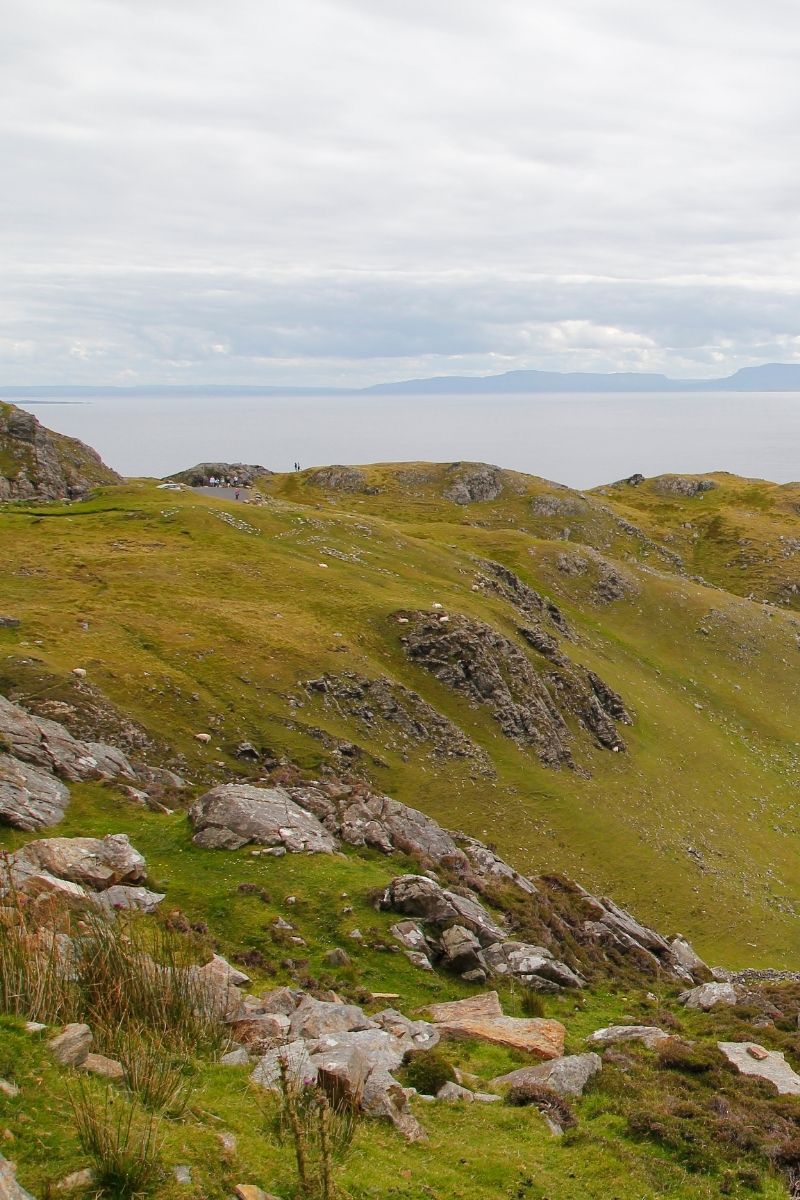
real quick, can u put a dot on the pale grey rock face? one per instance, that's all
(568, 1076)
(43, 465)
(231, 815)
(30, 798)
(685, 961)
(751, 1059)
(650, 1035)
(342, 1071)
(707, 995)
(469, 483)
(120, 898)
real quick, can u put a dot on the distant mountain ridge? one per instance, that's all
(769, 377)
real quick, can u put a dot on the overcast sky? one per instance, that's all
(349, 191)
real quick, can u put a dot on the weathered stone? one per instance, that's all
(100, 863)
(231, 815)
(337, 957)
(454, 1091)
(8, 1089)
(72, 1045)
(219, 970)
(384, 1097)
(280, 1000)
(410, 935)
(419, 1035)
(649, 1034)
(542, 1038)
(708, 995)
(568, 1076)
(182, 1174)
(30, 798)
(236, 1058)
(98, 1064)
(317, 1018)
(418, 959)
(766, 1064)
(42, 465)
(461, 950)
(531, 964)
(685, 961)
(260, 1027)
(78, 1180)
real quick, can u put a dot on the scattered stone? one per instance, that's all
(766, 1064)
(228, 1143)
(182, 1174)
(98, 1064)
(9, 1188)
(72, 1045)
(8, 1089)
(34, 1027)
(454, 1091)
(337, 957)
(78, 1180)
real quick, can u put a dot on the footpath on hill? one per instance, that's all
(224, 493)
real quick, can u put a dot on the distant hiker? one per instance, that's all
(237, 493)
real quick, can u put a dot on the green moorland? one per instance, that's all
(194, 614)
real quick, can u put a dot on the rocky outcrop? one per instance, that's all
(682, 485)
(38, 464)
(104, 874)
(401, 715)
(530, 707)
(340, 479)
(469, 483)
(501, 580)
(463, 938)
(232, 815)
(202, 473)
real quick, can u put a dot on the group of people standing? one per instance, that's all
(221, 481)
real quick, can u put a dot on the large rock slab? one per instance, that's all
(296, 1061)
(650, 1035)
(751, 1059)
(482, 1017)
(96, 862)
(342, 1072)
(568, 1076)
(234, 814)
(532, 965)
(30, 798)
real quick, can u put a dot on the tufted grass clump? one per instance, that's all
(121, 1138)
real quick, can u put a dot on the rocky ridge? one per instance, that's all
(38, 464)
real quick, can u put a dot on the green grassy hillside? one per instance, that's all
(194, 614)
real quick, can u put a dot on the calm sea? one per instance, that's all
(580, 440)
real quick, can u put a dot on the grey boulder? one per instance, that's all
(234, 814)
(30, 798)
(568, 1075)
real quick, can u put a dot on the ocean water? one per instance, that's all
(581, 440)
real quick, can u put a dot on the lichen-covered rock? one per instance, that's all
(49, 745)
(318, 1018)
(30, 798)
(709, 995)
(650, 1035)
(40, 464)
(682, 485)
(71, 1046)
(470, 483)
(751, 1059)
(231, 815)
(340, 479)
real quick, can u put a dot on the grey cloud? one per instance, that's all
(272, 192)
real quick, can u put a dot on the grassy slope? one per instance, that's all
(179, 604)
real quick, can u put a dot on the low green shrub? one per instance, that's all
(427, 1070)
